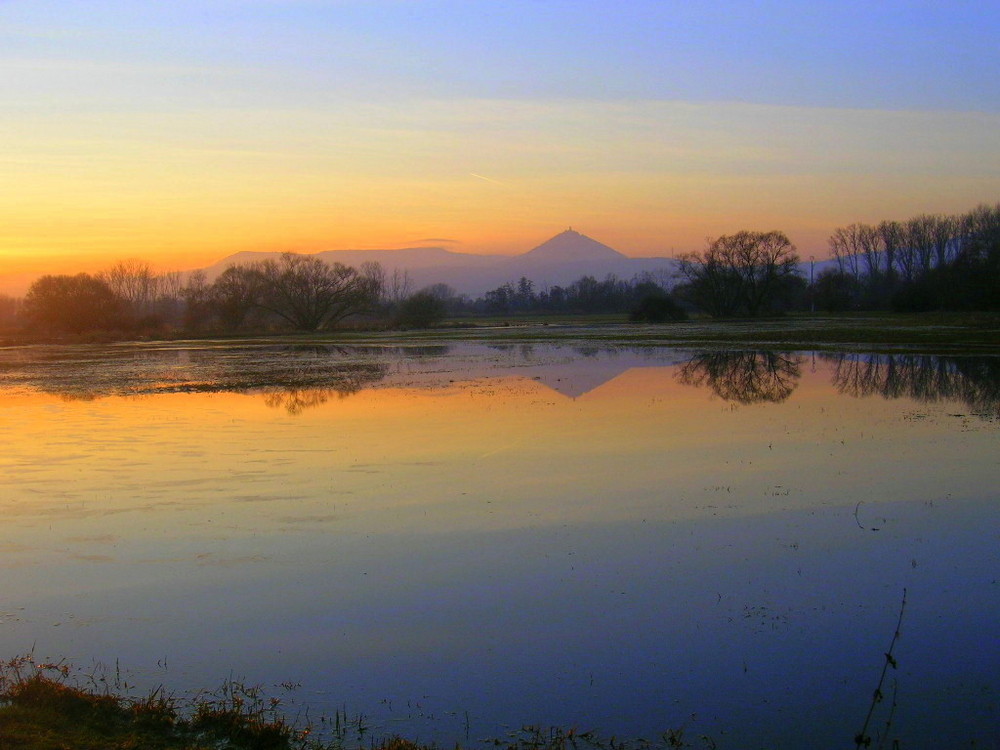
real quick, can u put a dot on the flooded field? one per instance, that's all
(457, 540)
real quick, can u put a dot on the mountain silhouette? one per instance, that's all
(558, 261)
(571, 247)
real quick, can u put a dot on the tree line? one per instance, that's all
(587, 295)
(927, 262)
(292, 292)
(295, 292)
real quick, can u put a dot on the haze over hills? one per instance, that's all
(559, 261)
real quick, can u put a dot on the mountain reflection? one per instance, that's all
(973, 381)
(744, 377)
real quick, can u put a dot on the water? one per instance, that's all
(458, 540)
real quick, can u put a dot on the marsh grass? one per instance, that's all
(941, 332)
(44, 706)
(49, 706)
(863, 739)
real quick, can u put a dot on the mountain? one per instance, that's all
(558, 261)
(570, 247)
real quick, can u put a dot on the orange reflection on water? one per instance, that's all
(487, 453)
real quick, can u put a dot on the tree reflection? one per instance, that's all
(84, 374)
(345, 382)
(974, 381)
(744, 377)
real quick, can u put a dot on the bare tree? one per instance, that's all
(373, 270)
(746, 271)
(134, 282)
(397, 287)
(233, 295)
(944, 234)
(9, 309)
(848, 249)
(890, 234)
(73, 304)
(170, 284)
(197, 298)
(916, 246)
(871, 248)
(309, 294)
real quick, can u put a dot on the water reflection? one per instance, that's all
(295, 401)
(581, 524)
(296, 377)
(973, 381)
(293, 376)
(744, 377)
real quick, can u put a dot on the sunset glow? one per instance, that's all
(184, 132)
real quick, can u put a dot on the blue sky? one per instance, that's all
(886, 55)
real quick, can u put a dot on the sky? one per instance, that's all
(182, 131)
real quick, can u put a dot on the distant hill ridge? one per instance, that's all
(558, 261)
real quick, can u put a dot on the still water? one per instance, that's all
(458, 540)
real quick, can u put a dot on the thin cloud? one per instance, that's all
(488, 179)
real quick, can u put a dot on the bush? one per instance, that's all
(657, 308)
(420, 310)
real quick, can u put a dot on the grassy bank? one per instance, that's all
(49, 707)
(41, 708)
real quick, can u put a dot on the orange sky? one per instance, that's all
(177, 135)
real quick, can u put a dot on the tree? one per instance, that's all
(197, 297)
(420, 310)
(746, 272)
(309, 294)
(499, 300)
(657, 308)
(134, 282)
(9, 309)
(73, 304)
(835, 291)
(233, 295)
(396, 286)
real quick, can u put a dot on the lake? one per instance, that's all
(454, 541)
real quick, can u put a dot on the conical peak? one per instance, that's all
(570, 245)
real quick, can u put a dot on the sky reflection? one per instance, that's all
(526, 534)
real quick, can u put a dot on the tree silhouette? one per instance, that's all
(974, 381)
(744, 377)
(309, 294)
(73, 304)
(743, 273)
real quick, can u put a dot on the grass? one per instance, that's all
(47, 707)
(937, 332)
(42, 708)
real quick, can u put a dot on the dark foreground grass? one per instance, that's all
(933, 332)
(41, 710)
(46, 707)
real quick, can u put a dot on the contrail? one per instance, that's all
(488, 179)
